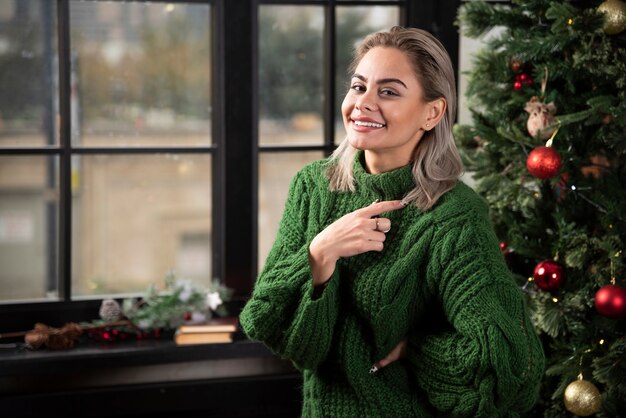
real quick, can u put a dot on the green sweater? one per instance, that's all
(441, 282)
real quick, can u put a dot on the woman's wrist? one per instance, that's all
(322, 265)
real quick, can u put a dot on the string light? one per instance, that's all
(570, 21)
(617, 254)
(601, 341)
(555, 300)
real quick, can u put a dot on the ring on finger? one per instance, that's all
(376, 229)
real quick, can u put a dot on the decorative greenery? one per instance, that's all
(180, 301)
(577, 217)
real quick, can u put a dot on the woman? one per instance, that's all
(402, 307)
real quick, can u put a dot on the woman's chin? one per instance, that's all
(359, 144)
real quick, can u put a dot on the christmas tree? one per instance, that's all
(547, 148)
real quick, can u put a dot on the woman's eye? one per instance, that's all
(387, 92)
(357, 87)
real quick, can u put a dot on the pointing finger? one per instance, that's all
(377, 208)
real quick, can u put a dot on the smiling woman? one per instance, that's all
(409, 81)
(404, 306)
(384, 115)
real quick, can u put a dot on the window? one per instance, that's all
(139, 83)
(138, 137)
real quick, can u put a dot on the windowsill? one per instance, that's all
(134, 362)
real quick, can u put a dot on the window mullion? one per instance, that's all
(65, 160)
(238, 149)
(330, 64)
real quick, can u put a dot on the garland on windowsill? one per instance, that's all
(151, 316)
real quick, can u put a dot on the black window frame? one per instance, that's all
(235, 148)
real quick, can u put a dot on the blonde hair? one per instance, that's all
(436, 161)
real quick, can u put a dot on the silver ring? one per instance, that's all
(376, 229)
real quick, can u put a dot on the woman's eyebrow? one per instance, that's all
(382, 80)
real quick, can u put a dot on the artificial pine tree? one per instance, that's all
(547, 147)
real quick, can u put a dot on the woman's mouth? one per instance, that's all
(368, 124)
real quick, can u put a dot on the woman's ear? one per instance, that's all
(436, 110)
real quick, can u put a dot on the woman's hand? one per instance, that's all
(396, 354)
(355, 233)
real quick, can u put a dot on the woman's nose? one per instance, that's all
(366, 101)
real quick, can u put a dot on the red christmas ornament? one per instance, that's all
(610, 301)
(549, 275)
(517, 85)
(504, 247)
(543, 162)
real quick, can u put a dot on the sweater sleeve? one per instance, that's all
(490, 361)
(281, 312)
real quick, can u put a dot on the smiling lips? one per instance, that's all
(368, 124)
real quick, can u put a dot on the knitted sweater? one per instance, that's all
(440, 282)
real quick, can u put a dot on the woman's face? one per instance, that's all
(383, 111)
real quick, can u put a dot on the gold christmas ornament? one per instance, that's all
(582, 398)
(615, 12)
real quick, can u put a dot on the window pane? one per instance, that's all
(28, 227)
(468, 47)
(353, 24)
(142, 74)
(291, 73)
(28, 73)
(275, 173)
(137, 217)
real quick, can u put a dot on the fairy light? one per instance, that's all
(580, 363)
(617, 254)
(601, 341)
(555, 300)
(570, 21)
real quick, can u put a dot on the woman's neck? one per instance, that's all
(377, 163)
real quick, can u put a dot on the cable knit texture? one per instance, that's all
(440, 282)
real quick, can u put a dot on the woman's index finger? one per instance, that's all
(377, 208)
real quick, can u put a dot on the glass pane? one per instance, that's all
(353, 24)
(28, 73)
(291, 73)
(275, 173)
(141, 74)
(137, 217)
(468, 47)
(28, 227)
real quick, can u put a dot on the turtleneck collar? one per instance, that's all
(391, 184)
